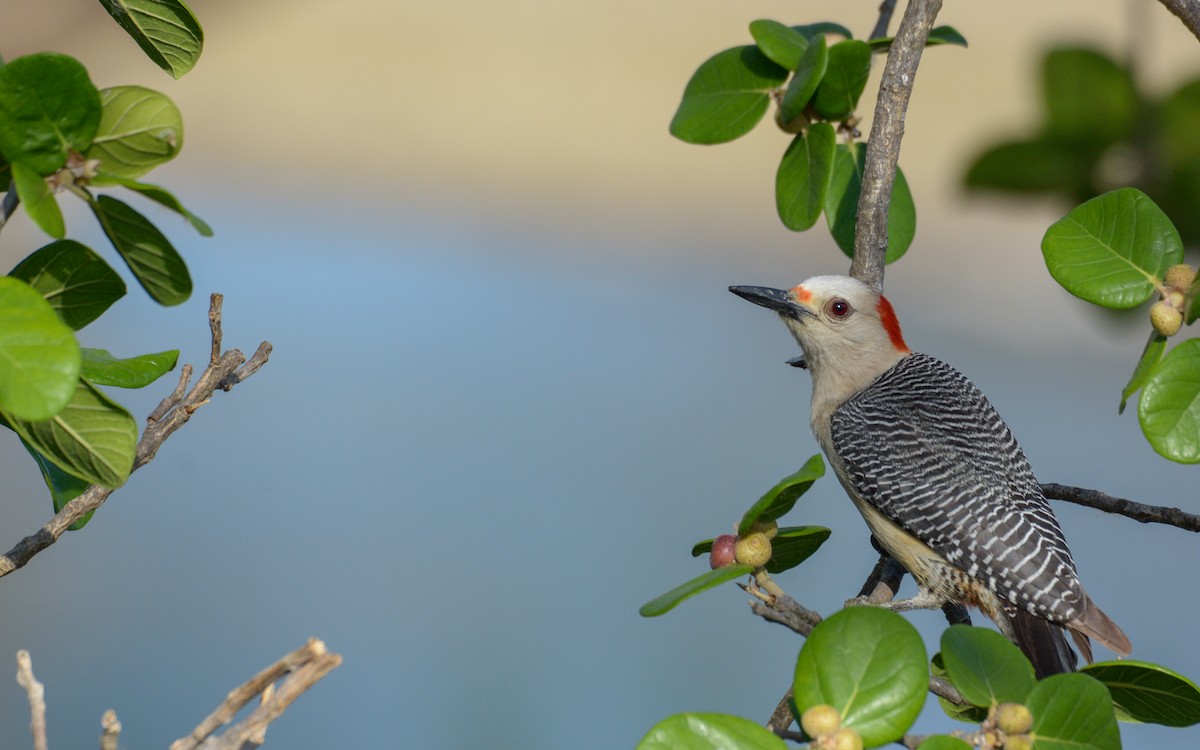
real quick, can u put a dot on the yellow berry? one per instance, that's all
(770, 528)
(1166, 318)
(820, 720)
(1013, 718)
(1180, 277)
(754, 549)
(1018, 742)
(845, 739)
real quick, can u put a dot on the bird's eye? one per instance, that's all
(839, 308)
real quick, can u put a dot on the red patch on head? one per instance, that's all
(891, 324)
(801, 294)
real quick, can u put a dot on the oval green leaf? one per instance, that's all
(162, 197)
(781, 44)
(139, 130)
(809, 72)
(869, 664)
(1072, 712)
(48, 108)
(959, 712)
(1151, 356)
(793, 545)
(1149, 693)
(660, 605)
(39, 357)
(802, 179)
(38, 198)
(1040, 165)
(76, 281)
(1113, 249)
(709, 732)
(63, 487)
(1169, 408)
(844, 80)
(1089, 98)
(811, 30)
(779, 499)
(985, 666)
(726, 96)
(93, 438)
(841, 204)
(150, 256)
(102, 368)
(166, 31)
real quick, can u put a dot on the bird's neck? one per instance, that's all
(833, 384)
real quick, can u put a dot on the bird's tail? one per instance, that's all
(1044, 642)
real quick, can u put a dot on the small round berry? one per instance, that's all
(753, 549)
(1013, 718)
(1018, 742)
(770, 528)
(845, 739)
(1165, 318)
(1180, 277)
(722, 553)
(820, 720)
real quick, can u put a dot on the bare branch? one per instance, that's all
(277, 686)
(37, 699)
(886, 8)
(110, 730)
(1187, 11)
(1109, 504)
(224, 371)
(883, 148)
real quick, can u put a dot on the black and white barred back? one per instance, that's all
(910, 444)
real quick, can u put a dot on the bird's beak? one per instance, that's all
(779, 300)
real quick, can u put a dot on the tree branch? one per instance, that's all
(277, 686)
(37, 699)
(225, 370)
(1187, 11)
(1109, 504)
(883, 148)
(886, 8)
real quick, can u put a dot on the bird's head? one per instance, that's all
(842, 324)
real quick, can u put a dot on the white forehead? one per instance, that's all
(825, 287)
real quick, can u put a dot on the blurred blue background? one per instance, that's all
(509, 389)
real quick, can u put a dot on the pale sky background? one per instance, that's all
(509, 389)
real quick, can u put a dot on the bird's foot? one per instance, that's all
(923, 600)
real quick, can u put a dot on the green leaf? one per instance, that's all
(39, 200)
(793, 545)
(726, 96)
(1176, 123)
(1072, 712)
(802, 179)
(155, 263)
(779, 499)
(1169, 408)
(1088, 97)
(161, 196)
(943, 742)
(709, 732)
(139, 130)
(166, 31)
(841, 204)
(937, 36)
(93, 438)
(868, 663)
(39, 357)
(844, 80)
(48, 108)
(63, 487)
(1112, 250)
(102, 368)
(660, 605)
(76, 281)
(812, 30)
(782, 45)
(1193, 302)
(1040, 165)
(1148, 692)
(800, 89)
(968, 713)
(1151, 356)
(985, 666)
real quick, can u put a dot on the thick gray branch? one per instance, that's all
(1109, 504)
(883, 148)
(1187, 11)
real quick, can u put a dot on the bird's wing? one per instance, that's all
(924, 446)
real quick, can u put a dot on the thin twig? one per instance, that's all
(36, 693)
(224, 371)
(277, 686)
(110, 730)
(1187, 11)
(1109, 504)
(886, 8)
(883, 147)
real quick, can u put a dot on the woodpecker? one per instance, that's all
(936, 473)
